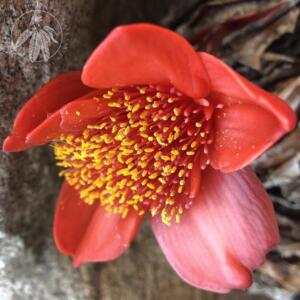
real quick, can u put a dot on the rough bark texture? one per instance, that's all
(30, 266)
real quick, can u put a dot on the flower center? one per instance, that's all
(145, 156)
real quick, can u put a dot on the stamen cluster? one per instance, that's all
(142, 156)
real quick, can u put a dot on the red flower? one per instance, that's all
(167, 131)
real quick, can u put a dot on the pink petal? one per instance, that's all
(146, 54)
(87, 232)
(224, 235)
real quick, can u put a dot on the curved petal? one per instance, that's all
(241, 133)
(71, 118)
(72, 217)
(51, 97)
(45, 132)
(224, 235)
(146, 54)
(78, 114)
(235, 87)
(87, 232)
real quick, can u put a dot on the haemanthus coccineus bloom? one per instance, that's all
(150, 127)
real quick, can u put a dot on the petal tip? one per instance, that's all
(13, 144)
(6, 146)
(239, 276)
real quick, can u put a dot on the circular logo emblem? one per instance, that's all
(36, 35)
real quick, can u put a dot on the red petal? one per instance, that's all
(51, 97)
(73, 117)
(87, 232)
(235, 87)
(195, 177)
(146, 54)
(45, 132)
(251, 122)
(241, 133)
(78, 114)
(224, 235)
